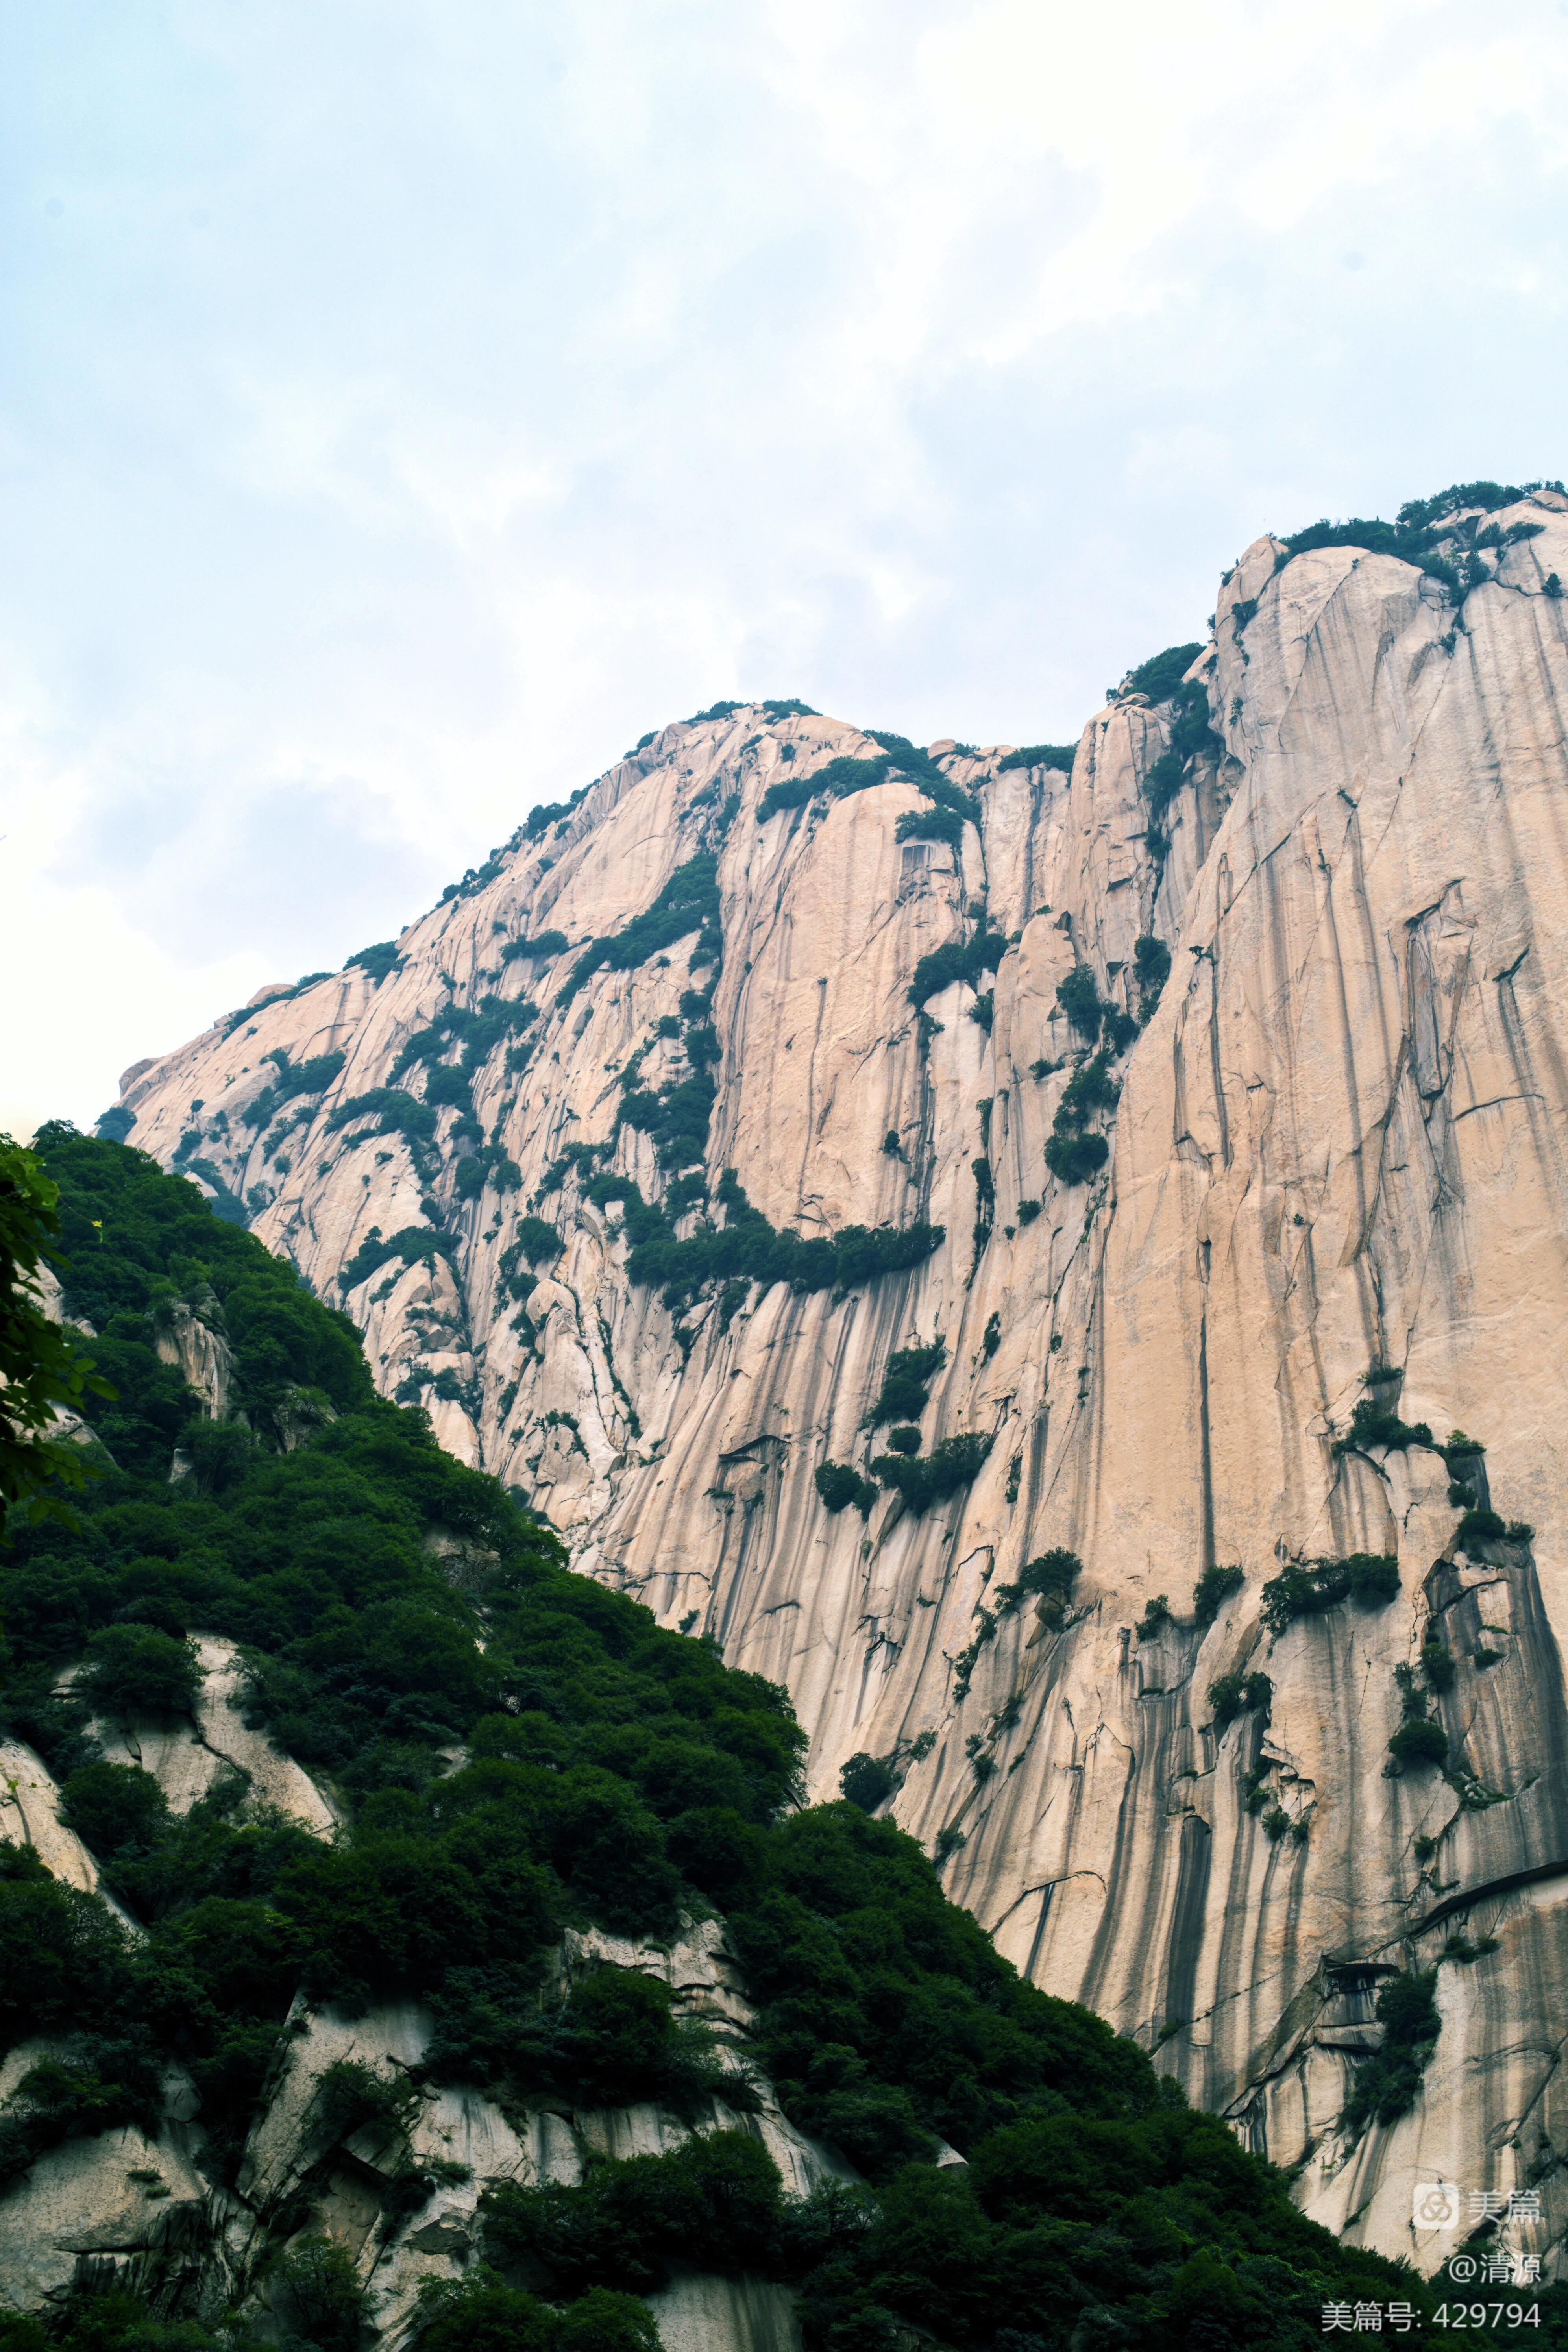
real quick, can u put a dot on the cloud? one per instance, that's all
(411, 405)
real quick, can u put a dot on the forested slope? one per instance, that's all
(518, 1758)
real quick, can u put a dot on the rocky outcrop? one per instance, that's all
(30, 1815)
(144, 2214)
(189, 1337)
(189, 1758)
(1337, 1145)
(118, 2207)
(147, 2214)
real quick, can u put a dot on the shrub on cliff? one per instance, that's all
(688, 902)
(414, 1244)
(866, 1781)
(906, 1383)
(748, 1248)
(1214, 1589)
(1072, 1156)
(1040, 755)
(602, 1759)
(134, 1670)
(1157, 1615)
(1162, 783)
(1079, 1000)
(1076, 1159)
(542, 949)
(1049, 1578)
(840, 1486)
(535, 1241)
(1160, 676)
(964, 959)
(1237, 1695)
(394, 1111)
(1419, 1741)
(931, 825)
(1150, 970)
(1306, 1588)
(925, 1481)
(789, 793)
(1386, 2084)
(376, 961)
(1372, 1425)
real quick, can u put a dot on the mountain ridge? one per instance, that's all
(1187, 1208)
(405, 1941)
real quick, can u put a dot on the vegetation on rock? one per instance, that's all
(521, 1754)
(1040, 755)
(688, 902)
(42, 1372)
(1159, 676)
(933, 1477)
(906, 1383)
(1306, 1588)
(747, 1248)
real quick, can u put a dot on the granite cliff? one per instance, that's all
(1287, 931)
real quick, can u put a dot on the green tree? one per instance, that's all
(41, 1373)
(136, 1670)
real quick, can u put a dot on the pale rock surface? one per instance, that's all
(1339, 1139)
(187, 1760)
(81, 2200)
(171, 2234)
(745, 2315)
(463, 2128)
(185, 1339)
(30, 1815)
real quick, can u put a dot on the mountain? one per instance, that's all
(405, 1941)
(1163, 1139)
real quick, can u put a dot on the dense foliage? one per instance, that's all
(1388, 2085)
(964, 960)
(906, 1382)
(1095, 2208)
(535, 951)
(839, 778)
(931, 825)
(518, 1749)
(1416, 528)
(1161, 675)
(1424, 528)
(1150, 970)
(839, 1485)
(924, 1480)
(1306, 1588)
(614, 1768)
(42, 1374)
(377, 960)
(1040, 755)
(748, 1248)
(1072, 1155)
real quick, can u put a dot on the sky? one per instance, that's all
(404, 404)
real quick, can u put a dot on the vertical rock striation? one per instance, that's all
(1337, 1145)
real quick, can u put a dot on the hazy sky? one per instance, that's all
(405, 404)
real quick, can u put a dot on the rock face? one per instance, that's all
(1339, 1143)
(121, 2209)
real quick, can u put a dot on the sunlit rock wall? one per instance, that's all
(1339, 1141)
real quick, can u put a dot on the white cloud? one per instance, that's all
(538, 375)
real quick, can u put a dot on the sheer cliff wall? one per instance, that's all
(1339, 1143)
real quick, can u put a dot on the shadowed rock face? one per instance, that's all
(1340, 1142)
